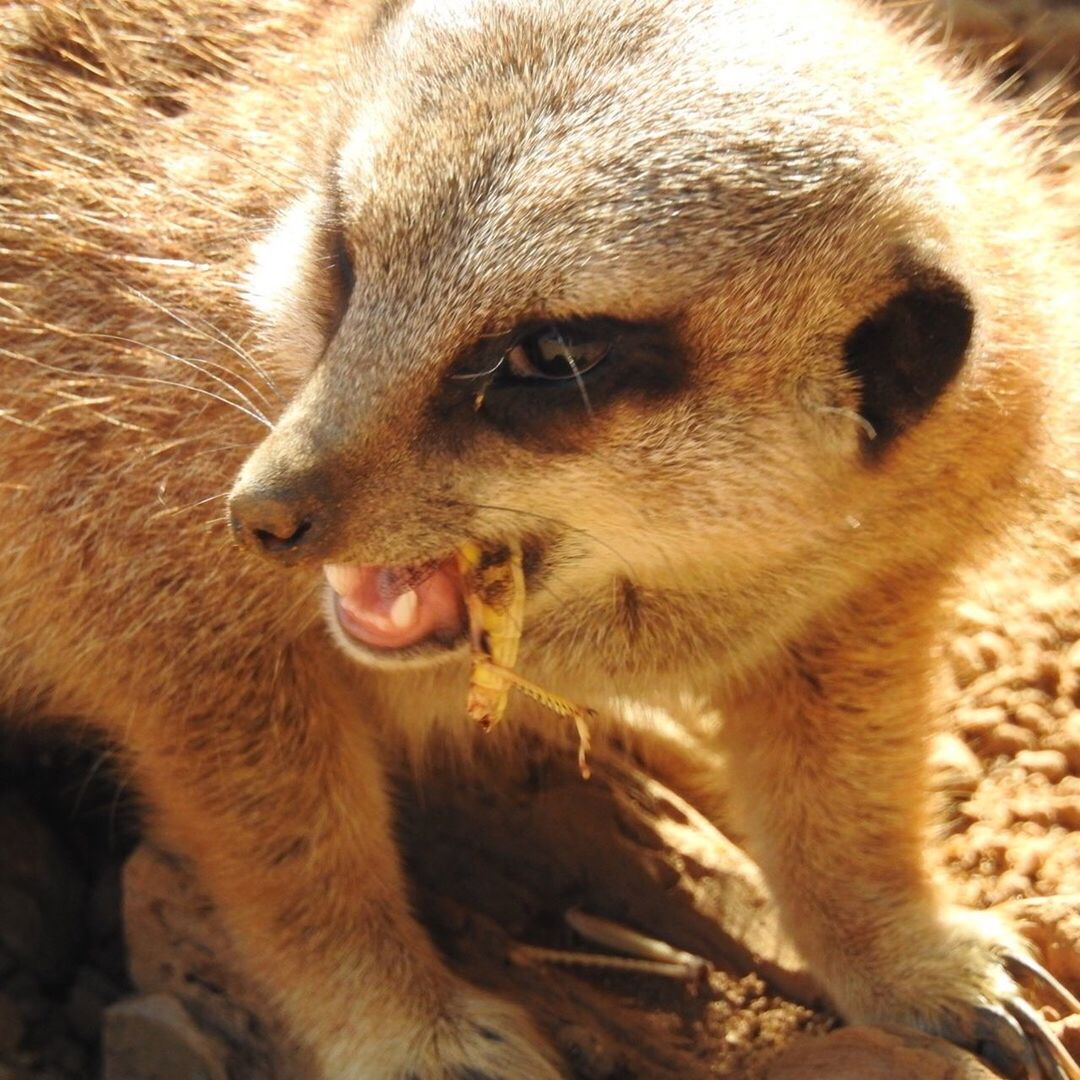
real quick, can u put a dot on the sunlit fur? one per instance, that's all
(758, 175)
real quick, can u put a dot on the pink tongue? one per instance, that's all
(381, 607)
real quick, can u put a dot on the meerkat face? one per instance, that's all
(597, 278)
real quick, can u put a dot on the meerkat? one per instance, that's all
(743, 321)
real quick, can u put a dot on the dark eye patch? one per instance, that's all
(552, 409)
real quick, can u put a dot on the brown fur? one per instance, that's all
(760, 189)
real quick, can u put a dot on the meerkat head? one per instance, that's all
(609, 278)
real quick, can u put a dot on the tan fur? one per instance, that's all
(758, 185)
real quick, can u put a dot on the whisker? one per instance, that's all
(212, 525)
(284, 183)
(469, 375)
(304, 600)
(118, 98)
(173, 511)
(248, 407)
(121, 377)
(18, 421)
(206, 363)
(856, 418)
(1023, 71)
(221, 338)
(174, 444)
(568, 352)
(196, 365)
(224, 448)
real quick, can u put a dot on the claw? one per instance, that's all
(999, 1038)
(1055, 1062)
(1034, 977)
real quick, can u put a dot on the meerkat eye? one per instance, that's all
(554, 353)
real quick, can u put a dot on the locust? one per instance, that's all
(494, 583)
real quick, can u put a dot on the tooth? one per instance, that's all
(403, 612)
(338, 577)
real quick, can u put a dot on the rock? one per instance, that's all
(91, 993)
(1034, 716)
(992, 648)
(870, 1053)
(1050, 763)
(1067, 812)
(588, 1051)
(1047, 675)
(12, 1026)
(981, 721)
(177, 947)
(1009, 739)
(1072, 657)
(1052, 925)
(1011, 885)
(973, 616)
(1067, 740)
(154, 1038)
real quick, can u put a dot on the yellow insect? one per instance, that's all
(495, 602)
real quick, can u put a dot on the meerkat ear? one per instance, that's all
(907, 352)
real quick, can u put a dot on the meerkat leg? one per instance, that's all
(286, 819)
(829, 778)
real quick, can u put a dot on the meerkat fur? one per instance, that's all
(839, 320)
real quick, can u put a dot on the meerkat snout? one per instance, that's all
(279, 510)
(271, 523)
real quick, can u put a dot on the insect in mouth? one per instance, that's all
(495, 603)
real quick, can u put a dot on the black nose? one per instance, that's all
(274, 524)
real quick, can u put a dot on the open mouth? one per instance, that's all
(391, 608)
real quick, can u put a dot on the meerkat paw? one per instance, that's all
(1009, 1033)
(477, 1036)
(973, 995)
(485, 1038)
